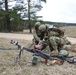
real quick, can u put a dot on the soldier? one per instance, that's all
(42, 32)
(56, 40)
(36, 40)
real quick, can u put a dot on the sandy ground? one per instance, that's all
(72, 40)
(27, 37)
(7, 58)
(16, 36)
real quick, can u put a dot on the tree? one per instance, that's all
(31, 13)
(13, 16)
(7, 25)
(8, 16)
(29, 16)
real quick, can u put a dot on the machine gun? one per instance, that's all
(42, 54)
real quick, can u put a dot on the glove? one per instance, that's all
(38, 46)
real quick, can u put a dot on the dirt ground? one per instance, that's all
(24, 67)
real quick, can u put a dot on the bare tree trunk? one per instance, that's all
(7, 25)
(29, 16)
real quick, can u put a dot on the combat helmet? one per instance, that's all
(37, 24)
(42, 28)
(63, 53)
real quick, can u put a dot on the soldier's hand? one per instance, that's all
(38, 46)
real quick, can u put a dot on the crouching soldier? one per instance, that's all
(56, 40)
(39, 36)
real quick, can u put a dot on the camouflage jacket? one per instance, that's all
(39, 35)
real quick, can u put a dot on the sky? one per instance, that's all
(59, 11)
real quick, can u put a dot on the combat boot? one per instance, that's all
(54, 52)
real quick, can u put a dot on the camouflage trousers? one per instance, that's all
(56, 43)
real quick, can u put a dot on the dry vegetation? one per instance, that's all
(70, 31)
(24, 67)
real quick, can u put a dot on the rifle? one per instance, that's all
(43, 54)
